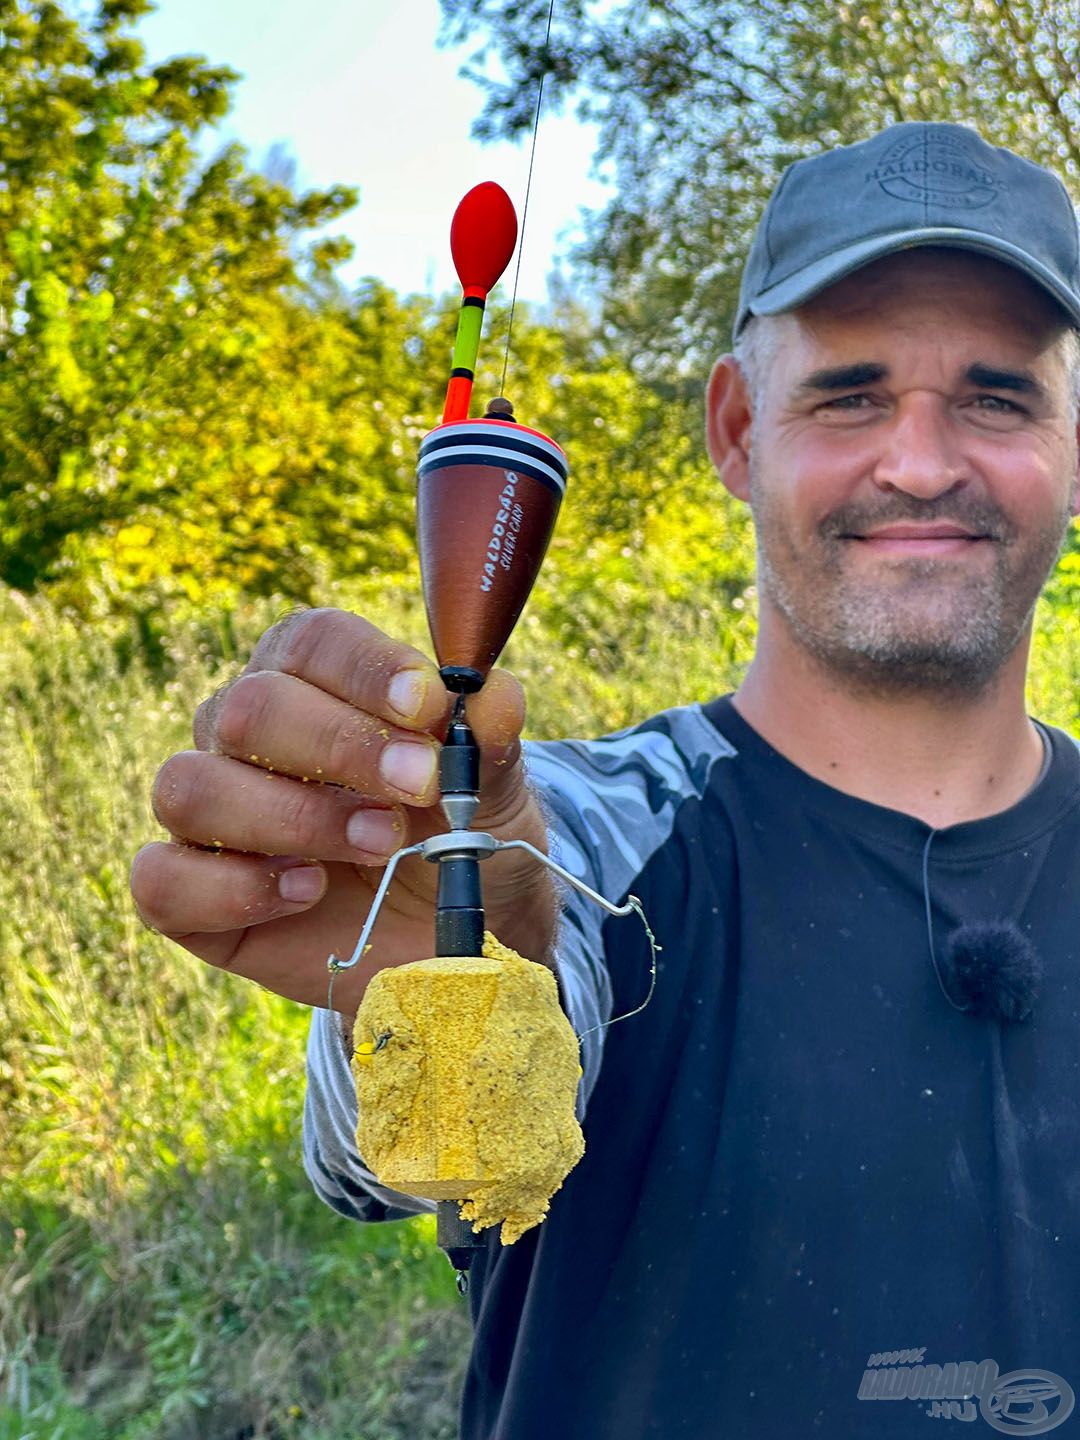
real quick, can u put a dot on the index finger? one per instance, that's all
(349, 657)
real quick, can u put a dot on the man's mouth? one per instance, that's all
(918, 539)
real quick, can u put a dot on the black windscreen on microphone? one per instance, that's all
(993, 970)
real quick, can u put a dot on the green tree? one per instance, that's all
(144, 295)
(192, 406)
(701, 103)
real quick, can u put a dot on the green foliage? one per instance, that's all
(192, 409)
(701, 104)
(152, 309)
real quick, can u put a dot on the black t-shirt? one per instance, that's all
(809, 1181)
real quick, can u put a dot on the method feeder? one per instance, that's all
(488, 494)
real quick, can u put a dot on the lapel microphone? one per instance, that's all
(993, 970)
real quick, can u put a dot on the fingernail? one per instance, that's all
(378, 832)
(301, 882)
(408, 767)
(407, 692)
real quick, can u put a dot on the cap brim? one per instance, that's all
(803, 286)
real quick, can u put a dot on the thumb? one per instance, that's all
(496, 715)
(496, 712)
(516, 887)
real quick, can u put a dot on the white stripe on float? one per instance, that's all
(515, 459)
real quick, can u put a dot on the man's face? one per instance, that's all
(912, 470)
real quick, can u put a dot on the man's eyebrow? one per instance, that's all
(1022, 382)
(841, 377)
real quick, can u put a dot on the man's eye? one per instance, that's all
(997, 404)
(846, 402)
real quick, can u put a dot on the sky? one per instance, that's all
(357, 93)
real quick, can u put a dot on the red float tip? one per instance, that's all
(483, 234)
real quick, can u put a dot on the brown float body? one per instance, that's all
(488, 494)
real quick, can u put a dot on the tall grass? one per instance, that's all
(164, 1269)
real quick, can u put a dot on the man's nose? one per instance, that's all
(920, 452)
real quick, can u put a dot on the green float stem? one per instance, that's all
(467, 343)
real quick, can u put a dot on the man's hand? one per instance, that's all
(312, 768)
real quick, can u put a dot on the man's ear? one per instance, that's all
(1075, 497)
(727, 425)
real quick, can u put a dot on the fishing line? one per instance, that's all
(525, 206)
(929, 925)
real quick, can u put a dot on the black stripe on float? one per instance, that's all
(459, 372)
(496, 458)
(434, 463)
(492, 439)
(472, 300)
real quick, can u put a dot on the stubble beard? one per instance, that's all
(924, 626)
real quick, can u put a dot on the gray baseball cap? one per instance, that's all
(913, 184)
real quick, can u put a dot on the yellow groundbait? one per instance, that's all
(466, 1074)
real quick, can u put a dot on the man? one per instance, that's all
(837, 1159)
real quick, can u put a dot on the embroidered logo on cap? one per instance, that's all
(941, 170)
